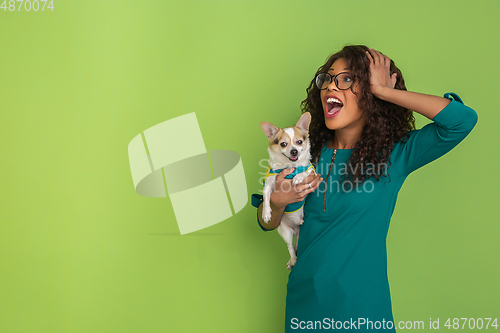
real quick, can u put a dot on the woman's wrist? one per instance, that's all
(276, 203)
(383, 93)
(427, 105)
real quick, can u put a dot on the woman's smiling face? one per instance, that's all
(347, 113)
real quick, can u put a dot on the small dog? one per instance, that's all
(288, 147)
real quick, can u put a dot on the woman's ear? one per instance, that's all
(394, 78)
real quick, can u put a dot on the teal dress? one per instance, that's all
(341, 272)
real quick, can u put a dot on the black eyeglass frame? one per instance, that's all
(334, 77)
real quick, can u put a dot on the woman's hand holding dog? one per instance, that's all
(286, 193)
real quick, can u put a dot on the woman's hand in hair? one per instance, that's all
(380, 73)
(382, 86)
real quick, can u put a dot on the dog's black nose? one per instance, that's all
(293, 152)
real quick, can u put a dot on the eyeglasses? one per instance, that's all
(343, 80)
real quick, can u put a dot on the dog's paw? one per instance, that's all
(299, 178)
(291, 263)
(266, 214)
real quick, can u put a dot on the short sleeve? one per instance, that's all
(449, 127)
(256, 201)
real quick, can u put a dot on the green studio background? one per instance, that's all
(81, 251)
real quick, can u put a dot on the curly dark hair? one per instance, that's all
(386, 123)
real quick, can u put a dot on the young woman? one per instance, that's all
(364, 144)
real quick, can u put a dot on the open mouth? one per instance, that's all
(333, 106)
(293, 159)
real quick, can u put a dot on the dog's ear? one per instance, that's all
(269, 129)
(304, 122)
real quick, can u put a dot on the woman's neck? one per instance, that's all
(345, 142)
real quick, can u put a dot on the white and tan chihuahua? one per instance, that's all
(288, 148)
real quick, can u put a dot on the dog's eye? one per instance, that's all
(299, 142)
(283, 144)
